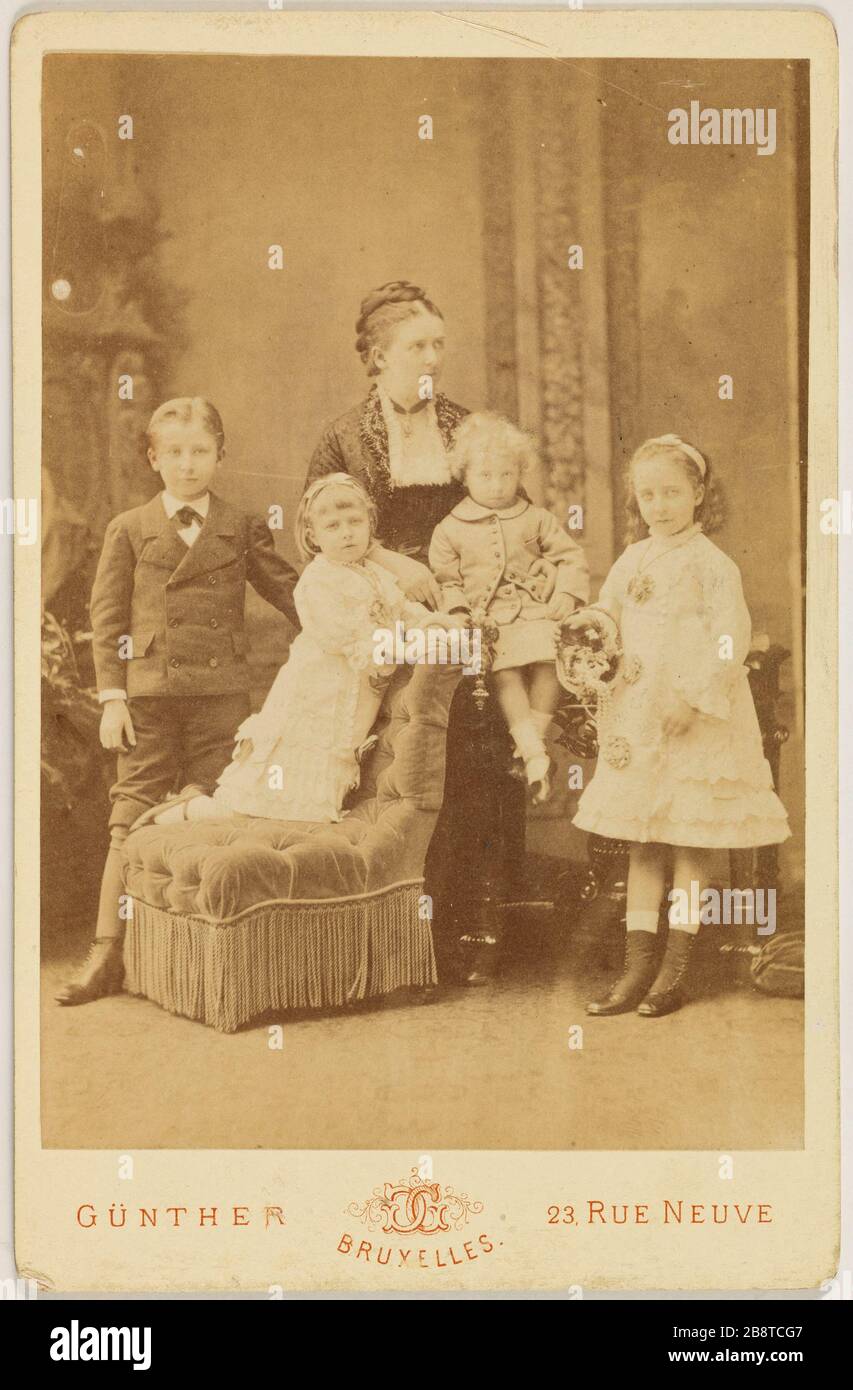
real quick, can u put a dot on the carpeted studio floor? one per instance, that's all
(474, 1068)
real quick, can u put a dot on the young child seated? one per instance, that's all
(482, 555)
(299, 756)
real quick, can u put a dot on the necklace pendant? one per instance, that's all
(641, 587)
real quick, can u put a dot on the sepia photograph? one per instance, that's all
(427, 527)
(531, 354)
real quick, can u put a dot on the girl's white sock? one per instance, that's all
(675, 911)
(642, 919)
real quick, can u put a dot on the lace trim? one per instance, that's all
(374, 437)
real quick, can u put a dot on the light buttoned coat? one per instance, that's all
(482, 558)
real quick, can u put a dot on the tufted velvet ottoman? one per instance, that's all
(232, 919)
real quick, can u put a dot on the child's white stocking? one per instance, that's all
(541, 720)
(642, 919)
(527, 739)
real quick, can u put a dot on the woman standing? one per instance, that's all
(396, 442)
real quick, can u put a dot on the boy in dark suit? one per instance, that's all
(169, 645)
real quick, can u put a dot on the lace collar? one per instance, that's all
(373, 433)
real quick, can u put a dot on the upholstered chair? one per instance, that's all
(235, 919)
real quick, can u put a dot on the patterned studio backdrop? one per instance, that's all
(163, 240)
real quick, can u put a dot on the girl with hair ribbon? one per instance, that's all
(681, 770)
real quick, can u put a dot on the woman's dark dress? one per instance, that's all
(477, 849)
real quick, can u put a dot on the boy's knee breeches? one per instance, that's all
(179, 739)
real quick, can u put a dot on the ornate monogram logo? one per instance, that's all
(415, 1204)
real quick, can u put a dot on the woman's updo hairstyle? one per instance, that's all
(710, 511)
(382, 312)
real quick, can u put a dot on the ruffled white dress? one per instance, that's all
(301, 763)
(685, 631)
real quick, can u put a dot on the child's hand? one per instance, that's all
(454, 622)
(116, 726)
(597, 618)
(679, 718)
(561, 607)
(576, 620)
(547, 570)
(417, 582)
(381, 674)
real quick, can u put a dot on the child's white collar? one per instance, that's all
(173, 504)
(469, 510)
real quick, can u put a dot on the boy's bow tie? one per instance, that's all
(187, 515)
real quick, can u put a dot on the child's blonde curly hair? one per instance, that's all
(485, 434)
(711, 510)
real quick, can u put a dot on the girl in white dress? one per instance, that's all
(299, 756)
(681, 769)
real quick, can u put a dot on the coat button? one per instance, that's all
(173, 622)
(211, 579)
(213, 661)
(175, 662)
(214, 623)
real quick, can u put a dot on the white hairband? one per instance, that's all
(675, 441)
(334, 480)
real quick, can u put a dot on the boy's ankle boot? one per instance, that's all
(102, 973)
(667, 993)
(637, 975)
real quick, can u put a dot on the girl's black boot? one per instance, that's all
(667, 993)
(637, 975)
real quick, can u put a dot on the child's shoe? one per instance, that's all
(368, 746)
(539, 772)
(537, 765)
(102, 973)
(667, 994)
(360, 753)
(637, 974)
